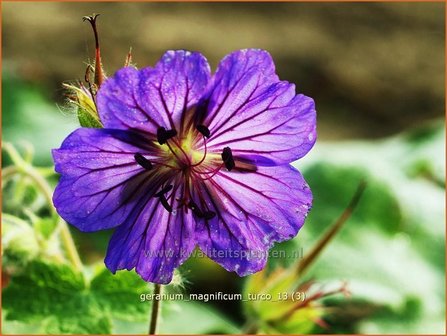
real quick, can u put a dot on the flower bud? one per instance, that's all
(280, 305)
(85, 106)
(19, 244)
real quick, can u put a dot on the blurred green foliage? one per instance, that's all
(29, 116)
(391, 252)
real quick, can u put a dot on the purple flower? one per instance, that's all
(187, 159)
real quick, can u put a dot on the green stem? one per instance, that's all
(13, 154)
(322, 243)
(40, 182)
(69, 245)
(19, 190)
(250, 328)
(155, 310)
(44, 187)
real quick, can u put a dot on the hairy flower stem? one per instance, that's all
(322, 243)
(44, 187)
(155, 309)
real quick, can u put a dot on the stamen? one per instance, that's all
(195, 209)
(162, 197)
(227, 158)
(164, 190)
(213, 172)
(165, 203)
(181, 150)
(209, 215)
(142, 161)
(165, 165)
(186, 191)
(204, 154)
(175, 154)
(204, 130)
(164, 135)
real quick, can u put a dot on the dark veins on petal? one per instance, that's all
(183, 160)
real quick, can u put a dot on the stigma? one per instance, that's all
(185, 157)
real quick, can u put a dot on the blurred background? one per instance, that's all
(377, 74)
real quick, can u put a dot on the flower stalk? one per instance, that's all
(155, 309)
(332, 231)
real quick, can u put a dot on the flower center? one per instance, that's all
(187, 157)
(185, 152)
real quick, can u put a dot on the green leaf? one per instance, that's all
(392, 250)
(424, 157)
(333, 186)
(183, 317)
(119, 294)
(55, 296)
(62, 300)
(20, 328)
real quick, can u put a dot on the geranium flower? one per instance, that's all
(187, 159)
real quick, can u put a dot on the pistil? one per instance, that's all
(99, 74)
(204, 154)
(183, 151)
(213, 172)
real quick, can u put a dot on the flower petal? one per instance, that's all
(174, 86)
(153, 241)
(254, 210)
(117, 106)
(154, 97)
(259, 117)
(238, 75)
(100, 179)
